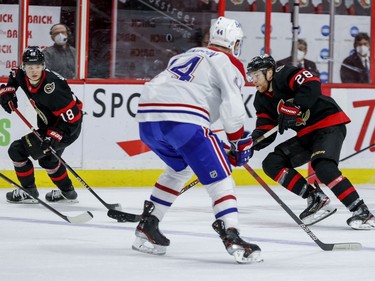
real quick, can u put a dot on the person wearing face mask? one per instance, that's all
(302, 62)
(61, 57)
(356, 67)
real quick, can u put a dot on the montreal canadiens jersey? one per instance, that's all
(199, 87)
(53, 100)
(299, 86)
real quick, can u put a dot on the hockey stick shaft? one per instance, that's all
(78, 219)
(347, 157)
(28, 124)
(258, 140)
(323, 246)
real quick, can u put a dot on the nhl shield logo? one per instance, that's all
(49, 88)
(213, 174)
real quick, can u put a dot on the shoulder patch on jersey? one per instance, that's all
(279, 68)
(49, 88)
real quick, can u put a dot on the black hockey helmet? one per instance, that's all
(262, 62)
(33, 55)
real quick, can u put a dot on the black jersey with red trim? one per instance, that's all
(53, 100)
(303, 89)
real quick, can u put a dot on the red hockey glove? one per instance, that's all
(8, 94)
(52, 136)
(241, 150)
(289, 113)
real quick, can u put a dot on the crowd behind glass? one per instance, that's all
(149, 32)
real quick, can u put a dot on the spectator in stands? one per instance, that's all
(205, 38)
(360, 7)
(355, 68)
(61, 57)
(304, 6)
(302, 62)
(341, 7)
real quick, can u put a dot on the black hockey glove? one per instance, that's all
(7, 94)
(52, 137)
(289, 114)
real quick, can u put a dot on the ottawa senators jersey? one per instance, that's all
(303, 89)
(53, 100)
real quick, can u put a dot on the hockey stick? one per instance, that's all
(190, 185)
(347, 157)
(325, 247)
(258, 140)
(127, 217)
(82, 218)
(121, 216)
(108, 206)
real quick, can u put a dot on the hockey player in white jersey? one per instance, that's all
(175, 113)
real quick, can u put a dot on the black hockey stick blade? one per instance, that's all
(123, 216)
(349, 246)
(82, 218)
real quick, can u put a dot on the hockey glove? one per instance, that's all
(52, 137)
(289, 113)
(7, 94)
(241, 150)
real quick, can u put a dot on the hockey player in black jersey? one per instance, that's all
(291, 98)
(59, 119)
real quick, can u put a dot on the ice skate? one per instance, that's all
(62, 196)
(318, 207)
(20, 196)
(362, 219)
(242, 251)
(149, 239)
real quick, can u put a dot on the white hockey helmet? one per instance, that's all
(226, 32)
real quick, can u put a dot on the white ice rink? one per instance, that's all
(37, 245)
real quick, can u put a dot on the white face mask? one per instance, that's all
(300, 55)
(61, 39)
(362, 50)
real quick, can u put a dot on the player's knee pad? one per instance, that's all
(32, 145)
(173, 179)
(273, 163)
(17, 151)
(48, 162)
(220, 188)
(326, 170)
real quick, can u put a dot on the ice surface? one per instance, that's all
(37, 245)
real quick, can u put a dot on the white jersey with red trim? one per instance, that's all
(199, 87)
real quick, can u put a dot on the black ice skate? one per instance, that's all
(62, 196)
(20, 196)
(242, 251)
(317, 207)
(149, 239)
(362, 219)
